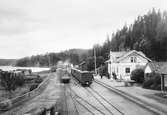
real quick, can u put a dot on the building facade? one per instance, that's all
(123, 63)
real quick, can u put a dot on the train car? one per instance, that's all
(85, 78)
(65, 76)
(65, 79)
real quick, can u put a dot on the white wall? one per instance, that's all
(126, 63)
(147, 69)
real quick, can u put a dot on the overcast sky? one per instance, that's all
(30, 27)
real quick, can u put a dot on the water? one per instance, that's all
(34, 69)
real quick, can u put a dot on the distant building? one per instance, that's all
(82, 66)
(24, 71)
(159, 68)
(123, 63)
(154, 67)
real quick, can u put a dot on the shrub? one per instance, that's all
(38, 79)
(53, 69)
(8, 81)
(19, 80)
(153, 82)
(137, 75)
(33, 87)
(148, 83)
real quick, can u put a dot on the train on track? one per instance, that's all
(85, 78)
(65, 76)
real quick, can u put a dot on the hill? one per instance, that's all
(6, 62)
(75, 56)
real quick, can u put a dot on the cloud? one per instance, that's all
(30, 27)
(15, 21)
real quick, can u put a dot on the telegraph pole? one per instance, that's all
(95, 60)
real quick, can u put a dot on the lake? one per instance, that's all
(34, 69)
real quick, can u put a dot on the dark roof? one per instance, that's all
(163, 69)
(82, 63)
(157, 66)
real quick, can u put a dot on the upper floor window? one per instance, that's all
(133, 59)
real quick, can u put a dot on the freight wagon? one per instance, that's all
(85, 78)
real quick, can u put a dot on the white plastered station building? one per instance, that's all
(123, 63)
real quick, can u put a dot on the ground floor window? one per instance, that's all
(127, 70)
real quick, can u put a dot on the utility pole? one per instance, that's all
(95, 60)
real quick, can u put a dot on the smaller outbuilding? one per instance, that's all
(159, 68)
(154, 67)
(82, 66)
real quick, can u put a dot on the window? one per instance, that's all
(127, 70)
(133, 59)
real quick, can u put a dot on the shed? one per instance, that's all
(154, 67)
(82, 66)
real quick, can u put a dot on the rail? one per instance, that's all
(133, 99)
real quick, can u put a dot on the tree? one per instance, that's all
(8, 81)
(148, 34)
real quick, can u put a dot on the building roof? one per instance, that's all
(122, 55)
(82, 63)
(134, 51)
(163, 69)
(157, 66)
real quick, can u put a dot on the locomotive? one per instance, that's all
(64, 75)
(85, 78)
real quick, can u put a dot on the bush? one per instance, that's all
(137, 75)
(33, 87)
(148, 83)
(19, 80)
(8, 81)
(38, 79)
(53, 69)
(153, 82)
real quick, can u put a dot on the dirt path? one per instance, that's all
(47, 99)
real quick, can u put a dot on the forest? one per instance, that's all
(50, 59)
(148, 34)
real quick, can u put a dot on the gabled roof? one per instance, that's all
(157, 66)
(133, 51)
(163, 70)
(82, 63)
(122, 55)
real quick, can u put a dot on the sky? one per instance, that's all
(31, 27)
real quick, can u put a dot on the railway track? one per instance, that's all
(108, 108)
(93, 110)
(132, 99)
(69, 105)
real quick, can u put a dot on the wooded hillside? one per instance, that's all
(148, 34)
(50, 59)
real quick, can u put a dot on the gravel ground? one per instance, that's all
(47, 99)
